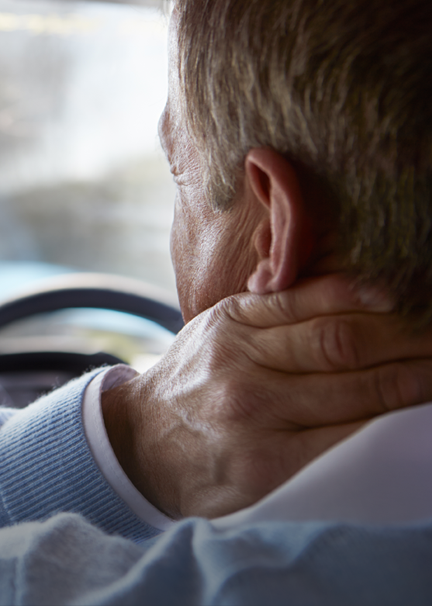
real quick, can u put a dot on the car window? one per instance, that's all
(84, 185)
(83, 182)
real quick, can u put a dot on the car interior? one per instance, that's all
(86, 198)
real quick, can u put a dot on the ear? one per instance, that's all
(284, 239)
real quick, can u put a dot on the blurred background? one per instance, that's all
(84, 185)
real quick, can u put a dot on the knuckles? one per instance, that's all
(335, 343)
(398, 385)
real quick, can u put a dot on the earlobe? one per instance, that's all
(284, 239)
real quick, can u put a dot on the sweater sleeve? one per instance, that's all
(46, 467)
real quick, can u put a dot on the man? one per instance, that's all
(298, 137)
(287, 215)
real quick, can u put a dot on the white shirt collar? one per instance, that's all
(103, 453)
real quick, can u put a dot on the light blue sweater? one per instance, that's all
(46, 467)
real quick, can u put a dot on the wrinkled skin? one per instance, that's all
(255, 386)
(258, 386)
(212, 252)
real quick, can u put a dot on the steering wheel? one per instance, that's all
(41, 370)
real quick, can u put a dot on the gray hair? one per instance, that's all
(342, 87)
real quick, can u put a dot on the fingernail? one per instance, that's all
(374, 297)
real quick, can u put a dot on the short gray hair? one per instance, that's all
(344, 88)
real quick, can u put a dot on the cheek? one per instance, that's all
(184, 254)
(183, 236)
(211, 254)
(180, 264)
(173, 239)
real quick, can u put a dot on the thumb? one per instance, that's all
(306, 299)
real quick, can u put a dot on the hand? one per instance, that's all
(258, 386)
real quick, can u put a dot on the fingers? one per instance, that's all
(335, 343)
(320, 399)
(309, 298)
